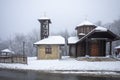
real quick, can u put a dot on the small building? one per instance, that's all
(8, 56)
(50, 47)
(90, 40)
(6, 52)
(117, 48)
(117, 51)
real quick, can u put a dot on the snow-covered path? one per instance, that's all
(64, 64)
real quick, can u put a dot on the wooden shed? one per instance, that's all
(90, 40)
(117, 51)
(50, 48)
(6, 52)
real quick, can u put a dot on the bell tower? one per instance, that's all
(44, 27)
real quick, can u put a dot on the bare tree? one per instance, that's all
(32, 37)
(3, 44)
(115, 28)
(73, 33)
(16, 45)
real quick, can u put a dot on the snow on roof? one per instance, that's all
(117, 47)
(45, 18)
(51, 40)
(100, 28)
(7, 51)
(85, 23)
(72, 40)
(81, 33)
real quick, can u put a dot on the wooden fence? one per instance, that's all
(13, 59)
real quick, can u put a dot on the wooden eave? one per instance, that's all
(101, 34)
(44, 20)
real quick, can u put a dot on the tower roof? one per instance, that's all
(44, 18)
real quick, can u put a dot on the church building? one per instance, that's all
(91, 40)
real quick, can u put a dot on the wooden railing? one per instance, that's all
(17, 58)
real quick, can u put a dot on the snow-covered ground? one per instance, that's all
(65, 64)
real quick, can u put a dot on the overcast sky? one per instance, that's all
(20, 16)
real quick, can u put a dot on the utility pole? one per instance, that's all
(23, 50)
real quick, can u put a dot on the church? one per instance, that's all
(91, 40)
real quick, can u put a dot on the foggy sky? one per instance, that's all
(20, 16)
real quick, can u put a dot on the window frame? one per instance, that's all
(48, 49)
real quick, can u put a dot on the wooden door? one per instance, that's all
(94, 49)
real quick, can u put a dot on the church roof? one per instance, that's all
(86, 22)
(101, 28)
(51, 40)
(98, 32)
(101, 32)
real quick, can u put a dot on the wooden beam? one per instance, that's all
(76, 50)
(99, 38)
(86, 47)
(69, 50)
(110, 53)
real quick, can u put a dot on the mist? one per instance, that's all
(20, 16)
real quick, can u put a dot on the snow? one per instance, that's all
(51, 40)
(64, 64)
(89, 23)
(100, 28)
(7, 51)
(118, 47)
(88, 72)
(72, 40)
(81, 34)
(85, 23)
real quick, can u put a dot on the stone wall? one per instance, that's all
(54, 55)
